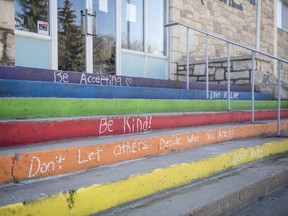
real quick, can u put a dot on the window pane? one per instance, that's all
(104, 43)
(155, 26)
(157, 68)
(132, 24)
(132, 65)
(38, 55)
(71, 44)
(32, 16)
(284, 16)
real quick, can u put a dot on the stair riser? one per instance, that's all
(32, 74)
(17, 88)
(36, 131)
(59, 107)
(41, 163)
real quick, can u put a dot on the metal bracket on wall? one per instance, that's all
(86, 15)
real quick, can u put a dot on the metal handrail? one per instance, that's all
(229, 42)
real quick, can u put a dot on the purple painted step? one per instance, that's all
(33, 74)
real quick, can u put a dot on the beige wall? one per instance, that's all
(7, 51)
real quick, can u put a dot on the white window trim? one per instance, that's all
(54, 33)
(32, 35)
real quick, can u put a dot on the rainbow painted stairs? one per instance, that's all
(81, 144)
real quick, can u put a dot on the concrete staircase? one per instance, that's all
(74, 149)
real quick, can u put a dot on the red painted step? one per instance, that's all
(24, 132)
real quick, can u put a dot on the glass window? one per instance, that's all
(32, 16)
(38, 55)
(133, 65)
(155, 27)
(157, 68)
(71, 44)
(143, 30)
(104, 42)
(133, 24)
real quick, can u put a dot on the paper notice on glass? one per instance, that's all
(131, 13)
(42, 27)
(103, 6)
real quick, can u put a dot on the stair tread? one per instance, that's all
(34, 189)
(199, 197)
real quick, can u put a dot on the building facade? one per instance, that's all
(128, 37)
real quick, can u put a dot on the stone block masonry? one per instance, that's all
(7, 54)
(7, 36)
(241, 68)
(241, 73)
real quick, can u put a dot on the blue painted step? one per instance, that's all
(32, 74)
(20, 88)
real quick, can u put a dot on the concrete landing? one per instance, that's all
(272, 204)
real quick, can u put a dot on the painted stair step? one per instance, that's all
(15, 108)
(25, 132)
(220, 194)
(33, 74)
(20, 88)
(57, 158)
(110, 186)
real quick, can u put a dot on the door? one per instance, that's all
(87, 36)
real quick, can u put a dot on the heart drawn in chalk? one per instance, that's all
(128, 81)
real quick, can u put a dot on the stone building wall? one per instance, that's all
(241, 69)
(240, 74)
(267, 26)
(7, 25)
(237, 23)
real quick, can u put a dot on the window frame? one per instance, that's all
(166, 34)
(145, 53)
(280, 14)
(51, 37)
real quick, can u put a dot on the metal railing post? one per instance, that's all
(228, 74)
(207, 69)
(253, 88)
(187, 59)
(279, 99)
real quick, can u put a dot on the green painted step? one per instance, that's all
(60, 107)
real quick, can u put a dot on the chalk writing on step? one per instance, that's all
(131, 147)
(37, 166)
(90, 156)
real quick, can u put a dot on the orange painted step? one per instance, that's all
(53, 159)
